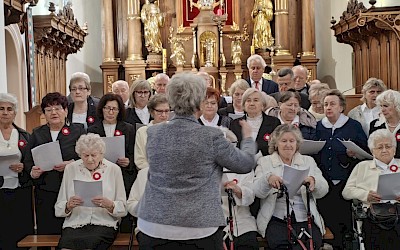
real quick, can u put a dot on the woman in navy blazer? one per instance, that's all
(111, 113)
(47, 184)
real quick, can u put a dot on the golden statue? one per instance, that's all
(262, 16)
(152, 20)
(236, 44)
(204, 4)
(177, 48)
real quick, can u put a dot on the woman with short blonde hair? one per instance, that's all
(140, 93)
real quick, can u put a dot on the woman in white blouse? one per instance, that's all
(91, 224)
(363, 184)
(16, 211)
(159, 110)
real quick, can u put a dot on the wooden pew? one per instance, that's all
(52, 241)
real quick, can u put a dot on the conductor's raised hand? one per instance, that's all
(246, 129)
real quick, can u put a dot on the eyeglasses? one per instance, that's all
(80, 89)
(6, 110)
(160, 112)
(381, 147)
(108, 109)
(55, 108)
(142, 93)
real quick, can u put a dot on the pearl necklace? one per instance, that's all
(394, 126)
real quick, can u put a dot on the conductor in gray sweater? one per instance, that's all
(181, 204)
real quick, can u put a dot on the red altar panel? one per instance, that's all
(188, 15)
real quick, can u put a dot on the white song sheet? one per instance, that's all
(87, 190)
(47, 155)
(5, 163)
(360, 153)
(309, 147)
(115, 148)
(293, 178)
(389, 186)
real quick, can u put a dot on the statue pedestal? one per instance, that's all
(134, 70)
(238, 71)
(153, 58)
(110, 75)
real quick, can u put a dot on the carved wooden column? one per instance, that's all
(134, 64)
(308, 27)
(108, 55)
(282, 27)
(109, 65)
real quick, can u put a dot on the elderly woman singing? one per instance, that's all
(363, 183)
(283, 148)
(181, 204)
(91, 226)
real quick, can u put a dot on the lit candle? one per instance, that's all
(252, 50)
(164, 60)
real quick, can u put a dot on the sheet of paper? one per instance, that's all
(293, 178)
(87, 190)
(115, 148)
(47, 155)
(5, 163)
(389, 186)
(360, 153)
(309, 147)
(235, 116)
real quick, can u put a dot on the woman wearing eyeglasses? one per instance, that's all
(83, 106)
(159, 110)
(47, 184)
(111, 113)
(138, 112)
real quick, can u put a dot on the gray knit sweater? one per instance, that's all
(186, 161)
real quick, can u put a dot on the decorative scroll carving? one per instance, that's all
(55, 38)
(14, 12)
(353, 8)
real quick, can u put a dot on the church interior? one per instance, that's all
(342, 43)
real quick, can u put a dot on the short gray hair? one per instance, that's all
(318, 89)
(278, 133)
(250, 91)
(185, 93)
(10, 98)
(336, 92)
(138, 84)
(89, 142)
(240, 83)
(301, 67)
(119, 83)
(161, 76)
(78, 77)
(372, 83)
(379, 135)
(258, 58)
(389, 97)
(156, 100)
(286, 71)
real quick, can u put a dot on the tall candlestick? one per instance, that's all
(164, 60)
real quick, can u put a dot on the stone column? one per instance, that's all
(134, 31)
(308, 27)
(108, 53)
(3, 70)
(282, 27)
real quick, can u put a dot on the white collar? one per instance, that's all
(339, 123)
(296, 120)
(364, 107)
(143, 110)
(213, 123)
(384, 166)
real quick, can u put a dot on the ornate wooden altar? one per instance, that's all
(374, 35)
(195, 28)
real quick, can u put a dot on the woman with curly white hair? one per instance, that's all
(389, 102)
(93, 225)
